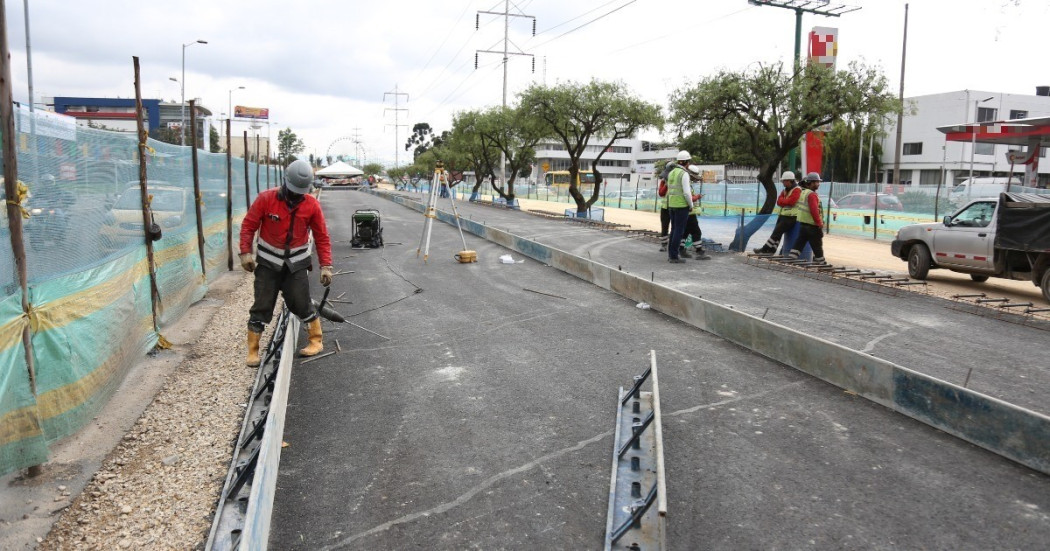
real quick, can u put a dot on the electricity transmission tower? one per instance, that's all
(506, 53)
(397, 116)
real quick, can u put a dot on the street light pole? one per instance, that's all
(182, 119)
(973, 139)
(229, 113)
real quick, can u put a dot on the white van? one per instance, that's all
(973, 188)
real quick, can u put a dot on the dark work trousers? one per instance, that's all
(665, 221)
(692, 229)
(783, 225)
(293, 286)
(814, 235)
(678, 223)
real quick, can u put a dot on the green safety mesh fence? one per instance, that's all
(91, 311)
(849, 208)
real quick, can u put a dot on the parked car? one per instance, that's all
(172, 208)
(1006, 237)
(866, 201)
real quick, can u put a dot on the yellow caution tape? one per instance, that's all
(21, 193)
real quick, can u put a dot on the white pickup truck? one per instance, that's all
(1007, 237)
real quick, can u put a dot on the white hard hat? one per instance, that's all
(683, 155)
(787, 175)
(299, 176)
(812, 177)
(694, 169)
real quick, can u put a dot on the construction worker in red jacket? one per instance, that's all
(787, 203)
(284, 218)
(811, 220)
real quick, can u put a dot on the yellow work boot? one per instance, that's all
(315, 346)
(253, 348)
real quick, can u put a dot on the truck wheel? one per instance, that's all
(919, 261)
(979, 278)
(1046, 285)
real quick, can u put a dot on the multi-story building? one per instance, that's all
(928, 159)
(622, 159)
(118, 114)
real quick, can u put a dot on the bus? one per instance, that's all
(560, 179)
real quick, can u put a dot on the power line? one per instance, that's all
(602, 16)
(596, 8)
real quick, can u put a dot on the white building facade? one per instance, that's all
(928, 159)
(621, 160)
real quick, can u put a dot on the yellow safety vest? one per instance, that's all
(675, 199)
(793, 209)
(804, 215)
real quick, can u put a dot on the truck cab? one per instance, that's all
(1006, 237)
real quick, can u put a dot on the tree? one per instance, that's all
(213, 140)
(772, 109)
(372, 169)
(478, 152)
(166, 135)
(576, 114)
(515, 134)
(423, 138)
(288, 145)
(842, 145)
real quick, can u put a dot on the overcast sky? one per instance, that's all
(322, 67)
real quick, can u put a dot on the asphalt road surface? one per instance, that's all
(482, 418)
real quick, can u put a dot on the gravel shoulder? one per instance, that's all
(146, 473)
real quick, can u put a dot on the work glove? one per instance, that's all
(326, 276)
(247, 262)
(695, 211)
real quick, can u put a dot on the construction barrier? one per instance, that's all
(91, 313)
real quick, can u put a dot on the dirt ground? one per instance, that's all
(853, 252)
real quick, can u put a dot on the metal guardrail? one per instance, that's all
(637, 468)
(242, 517)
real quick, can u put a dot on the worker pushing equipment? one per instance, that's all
(285, 217)
(430, 213)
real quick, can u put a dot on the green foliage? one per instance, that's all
(288, 145)
(842, 144)
(576, 114)
(769, 109)
(514, 133)
(472, 147)
(213, 140)
(372, 169)
(423, 138)
(166, 135)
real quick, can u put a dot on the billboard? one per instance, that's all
(242, 112)
(824, 46)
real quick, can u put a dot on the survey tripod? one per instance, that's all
(430, 213)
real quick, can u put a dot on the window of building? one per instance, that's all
(912, 148)
(1018, 114)
(984, 149)
(986, 114)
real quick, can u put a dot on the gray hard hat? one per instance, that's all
(812, 177)
(299, 176)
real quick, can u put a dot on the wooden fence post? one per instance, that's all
(247, 189)
(144, 194)
(229, 200)
(14, 209)
(197, 198)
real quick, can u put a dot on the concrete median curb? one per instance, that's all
(1013, 432)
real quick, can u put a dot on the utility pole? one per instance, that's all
(900, 115)
(506, 52)
(397, 115)
(824, 8)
